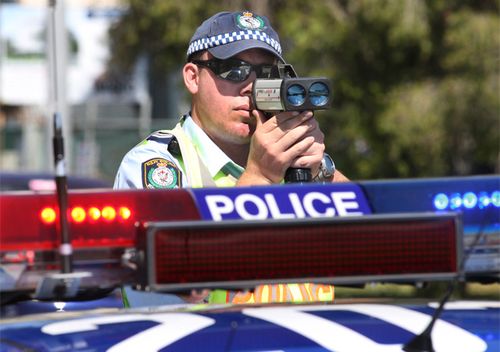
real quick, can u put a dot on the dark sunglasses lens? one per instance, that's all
(234, 71)
(235, 74)
(239, 71)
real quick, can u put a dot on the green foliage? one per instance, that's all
(161, 29)
(450, 124)
(415, 82)
(412, 124)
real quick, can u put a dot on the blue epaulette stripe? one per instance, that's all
(163, 139)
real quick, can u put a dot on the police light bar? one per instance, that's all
(102, 225)
(97, 218)
(230, 254)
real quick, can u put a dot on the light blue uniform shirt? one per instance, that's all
(151, 165)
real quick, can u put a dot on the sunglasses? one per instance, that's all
(236, 70)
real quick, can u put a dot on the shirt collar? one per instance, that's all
(213, 157)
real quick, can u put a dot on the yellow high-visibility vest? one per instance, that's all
(196, 172)
(296, 293)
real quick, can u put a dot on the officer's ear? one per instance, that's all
(191, 74)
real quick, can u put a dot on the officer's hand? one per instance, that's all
(286, 139)
(311, 158)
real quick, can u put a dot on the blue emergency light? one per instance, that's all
(467, 200)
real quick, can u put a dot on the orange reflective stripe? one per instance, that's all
(306, 292)
(315, 291)
(275, 293)
(306, 297)
(272, 293)
(243, 297)
(281, 292)
(267, 294)
(257, 294)
(295, 293)
(278, 293)
(287, 293)
(326, 293)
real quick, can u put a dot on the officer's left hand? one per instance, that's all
(287, 139)
(312, 157)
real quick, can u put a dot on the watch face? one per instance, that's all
(328, 166)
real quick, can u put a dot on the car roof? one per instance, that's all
(43, 181)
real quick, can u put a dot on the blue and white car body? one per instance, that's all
(463, 326)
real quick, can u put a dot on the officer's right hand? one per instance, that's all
(280, 141)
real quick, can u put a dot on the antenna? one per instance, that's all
(65, 248)
(423, 341)
(67, 284)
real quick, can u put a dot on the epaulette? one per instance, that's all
(167, 138)
(163, 137)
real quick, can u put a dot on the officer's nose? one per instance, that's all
(246, 88)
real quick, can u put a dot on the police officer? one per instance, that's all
(224, 140)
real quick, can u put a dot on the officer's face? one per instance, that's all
(223, 108)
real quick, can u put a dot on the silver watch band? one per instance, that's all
(326, 169)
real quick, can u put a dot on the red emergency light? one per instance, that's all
(78, 214)
(183, 255)
(28, 221)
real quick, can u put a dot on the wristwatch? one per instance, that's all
(326, 169)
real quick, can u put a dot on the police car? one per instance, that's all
(163, 243)
(44, 181)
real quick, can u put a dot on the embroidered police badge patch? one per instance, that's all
(248, 20)
(160, 173)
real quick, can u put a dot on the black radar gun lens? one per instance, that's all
(291, 93)
(319, 93)
(296, 94)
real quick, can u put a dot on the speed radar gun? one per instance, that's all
(292, 93)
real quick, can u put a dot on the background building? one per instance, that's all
(106, 112)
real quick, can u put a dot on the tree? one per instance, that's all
(416, 83)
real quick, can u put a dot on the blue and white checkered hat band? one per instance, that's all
(221, 39)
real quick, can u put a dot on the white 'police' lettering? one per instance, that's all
(309, 205)
(241, 208)
(250, 206)
(275, 209)
(218, 205)
(344, 202)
